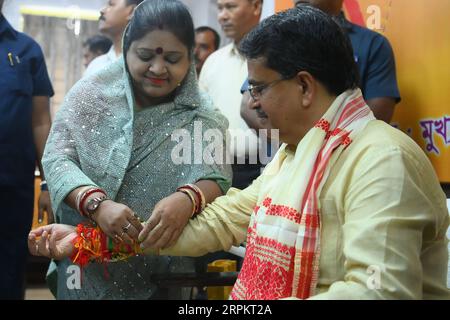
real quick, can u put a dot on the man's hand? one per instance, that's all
(44, 205)
(52, 241)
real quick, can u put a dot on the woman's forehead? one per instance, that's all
(162, 39)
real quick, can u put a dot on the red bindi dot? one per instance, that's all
(159, 50)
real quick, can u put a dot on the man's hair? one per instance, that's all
(304, 39)
(98, 43)
(170, 15)
(133, 2)
(214, 32)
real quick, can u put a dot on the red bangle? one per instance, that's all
(84, 197)
(192, 198)
(200, 204)
(199, 194)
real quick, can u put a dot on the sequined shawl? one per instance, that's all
(98, 139)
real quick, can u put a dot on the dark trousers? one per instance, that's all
(16, 218)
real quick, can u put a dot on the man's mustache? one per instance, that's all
(261, 113)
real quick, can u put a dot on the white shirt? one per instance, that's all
(101, 61)
(221, 78)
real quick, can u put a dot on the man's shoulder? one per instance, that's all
(28, 42)
(98, 63)
(368, 36)
(219, 56)
(380, 138)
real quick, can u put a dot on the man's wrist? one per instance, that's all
(43, 185)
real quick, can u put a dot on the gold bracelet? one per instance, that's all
(191, 196)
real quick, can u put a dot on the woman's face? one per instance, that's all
(158, 63)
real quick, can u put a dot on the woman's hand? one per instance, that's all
(118, 221)
(55, 241)
(167, 221)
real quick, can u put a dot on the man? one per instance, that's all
(25, 122)
(207, 40)
(95, 46)
(374, 57)
(221, 77)
(114, 18)
(350, 208)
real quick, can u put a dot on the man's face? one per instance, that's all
(279, 102)
(332, 7)
(238, 17)
(114, 17)
(204, 46)
(89, 55)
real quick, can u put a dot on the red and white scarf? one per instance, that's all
(283, 242)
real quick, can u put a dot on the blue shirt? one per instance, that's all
(375, 59)
(23, 74)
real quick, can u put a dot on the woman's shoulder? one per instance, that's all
(207, 110)
(97, 86)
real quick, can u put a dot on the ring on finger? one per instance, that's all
(125, 229)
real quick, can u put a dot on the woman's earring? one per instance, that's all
(179, 85)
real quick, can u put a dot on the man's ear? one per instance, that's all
(307, 87)
(257, 5)
(132, 8)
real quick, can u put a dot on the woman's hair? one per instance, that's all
(169, 15)
(305, 39)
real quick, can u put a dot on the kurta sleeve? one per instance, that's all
(222, 224)
(392, 211)
(61, 161)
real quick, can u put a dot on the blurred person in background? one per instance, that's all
(95, 46)
(222, 76)
(375, 59)
(207, 40)
(113, 20)
(25, 91)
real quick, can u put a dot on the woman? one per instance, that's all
(111, 139)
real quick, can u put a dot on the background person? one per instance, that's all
(207, 40)
(95, 46)
(113, 20)
(25, 91)
(222, 76)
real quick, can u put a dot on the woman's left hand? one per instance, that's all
(167, 221)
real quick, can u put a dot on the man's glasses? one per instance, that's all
(257, 91)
